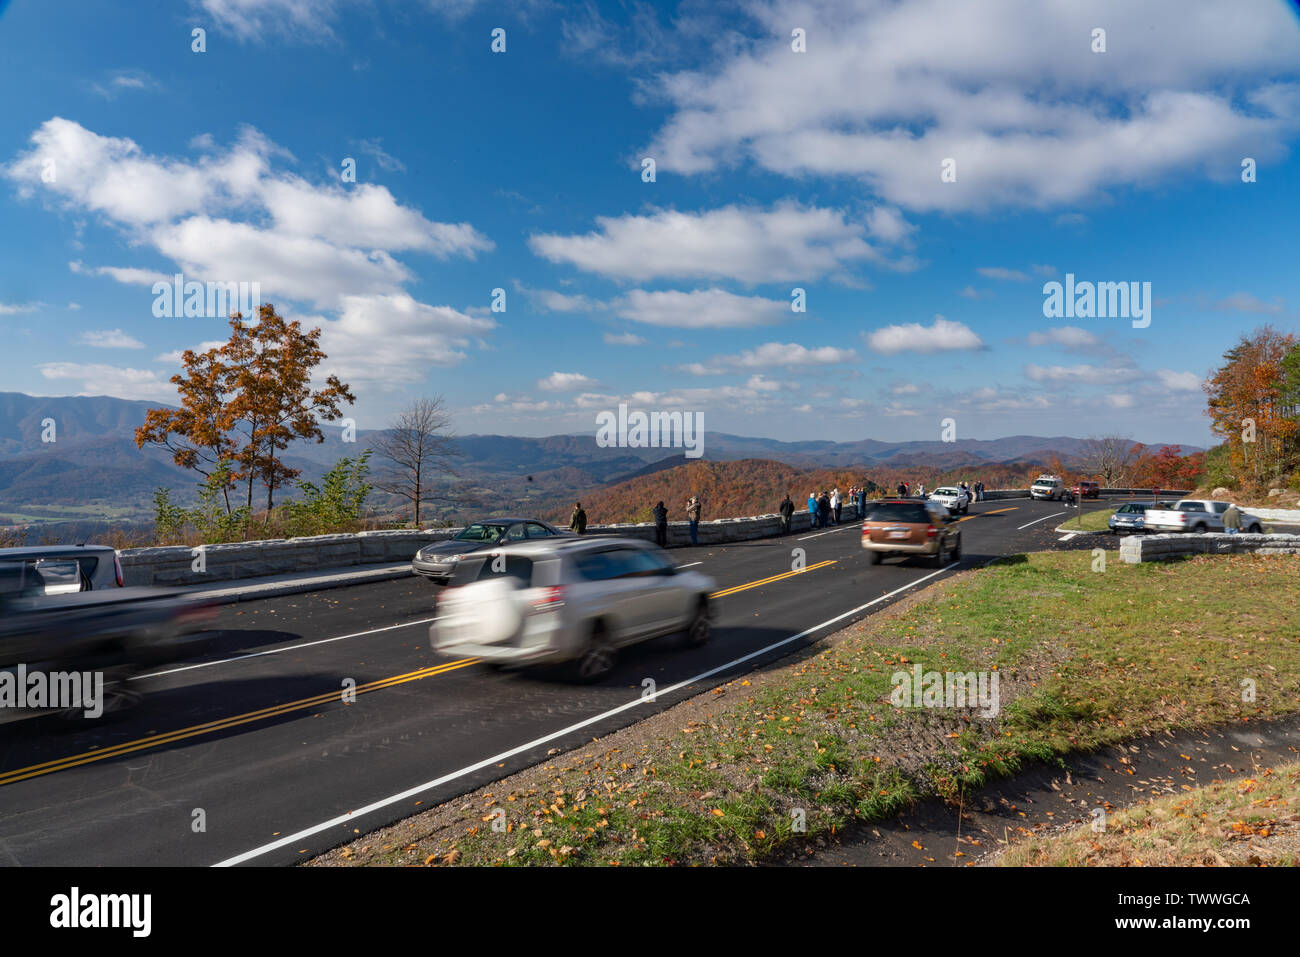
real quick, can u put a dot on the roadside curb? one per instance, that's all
(251, 592)
(1062, 530)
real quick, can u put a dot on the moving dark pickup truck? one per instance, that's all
(50, 634)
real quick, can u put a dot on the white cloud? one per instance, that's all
(701, 309)
(787, 243)
(769, 355)
(1179, 381)
(1011, 91)
(623, 339)
(1070, 337)
(392, 340)
(18, 308)
(999, 272)
(970, 292)
(127, 275)
(109, 339)
(176, 356)
(120, 81)
(1245, 302)
(565, 382)
(943, 335)
(99, 379)
(1076, 373)
(229, 217)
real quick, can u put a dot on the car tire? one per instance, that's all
(1255, 530)
(1198, 527)
(700, 629)
(597, 659)
(956, 552)
(941, 556)
(873, 557)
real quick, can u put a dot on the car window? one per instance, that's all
(596, 566)
(539, 531)
(898, 512)
(1191, 506)
(1220, 507)
(57, 577)
(478, 532)
(644, 563)
(517, 532)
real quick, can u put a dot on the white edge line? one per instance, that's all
(537, 742)
(276, 651)
(1043, 519)
(853, 523)
(690, 564)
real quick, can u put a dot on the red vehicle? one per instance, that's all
(1086, 490)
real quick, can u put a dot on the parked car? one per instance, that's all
(568, 600)
(64, 569)
(1197, 515)
(1086, 490)
(1131, 516)
(113, 632)
(951, 497)
(900, 526)
(1048, 488)
(437, 561)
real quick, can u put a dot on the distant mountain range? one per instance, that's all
(94, 461)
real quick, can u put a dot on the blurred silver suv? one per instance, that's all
(568, 600)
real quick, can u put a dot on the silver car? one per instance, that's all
(568, 600)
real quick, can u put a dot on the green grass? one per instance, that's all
(1084, 659)
(1090, 521)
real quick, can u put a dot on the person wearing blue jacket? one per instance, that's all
(812, 509)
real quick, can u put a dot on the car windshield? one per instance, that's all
(946, 491)
(481, 533)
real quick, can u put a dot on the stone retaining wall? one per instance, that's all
(176, 564)
(1153, 548)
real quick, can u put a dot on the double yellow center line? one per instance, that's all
(155, 740)
(170, 737)
(768, 581)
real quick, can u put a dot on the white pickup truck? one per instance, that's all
(1196, 515)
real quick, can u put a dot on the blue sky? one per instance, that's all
(775, 169)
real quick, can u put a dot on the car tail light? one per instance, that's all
(931, 532)
(117, 571)
(548, 599)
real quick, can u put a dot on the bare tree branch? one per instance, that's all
(417, 447)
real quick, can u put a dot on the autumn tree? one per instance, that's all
(1251, 402)
(198, 433)
(416, 447)
(245, 401)
(272, 399)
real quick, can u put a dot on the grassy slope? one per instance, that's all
(1085, 659)
(1251, 821)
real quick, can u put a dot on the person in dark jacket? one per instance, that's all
(578, 520)
(693, 508)
(786, 511)
(823, 510)
(661, 525)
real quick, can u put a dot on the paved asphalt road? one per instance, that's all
(255, 743)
